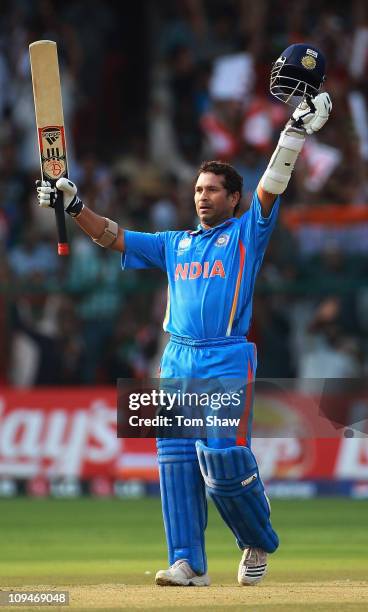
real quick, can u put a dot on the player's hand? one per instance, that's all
(46, 195)
(313, 115)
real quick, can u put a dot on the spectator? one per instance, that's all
(134, 165)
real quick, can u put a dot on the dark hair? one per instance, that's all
(233, 181)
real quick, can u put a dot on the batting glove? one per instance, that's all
(313, 115)
(46, 195)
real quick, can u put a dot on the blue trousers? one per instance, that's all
(182, 485)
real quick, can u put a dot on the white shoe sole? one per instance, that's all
(163, 580)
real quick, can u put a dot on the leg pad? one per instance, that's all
(184, 504)
(233, 482)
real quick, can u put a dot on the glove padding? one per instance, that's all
(314, 115)
(46, 195)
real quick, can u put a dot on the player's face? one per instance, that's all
(213, 204)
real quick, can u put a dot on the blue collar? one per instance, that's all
(201, 230)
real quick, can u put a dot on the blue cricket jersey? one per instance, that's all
(211, 273)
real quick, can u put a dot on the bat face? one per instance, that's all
(49, 109)
(50, 124)
(52, 152)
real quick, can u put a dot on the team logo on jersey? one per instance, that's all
(184, 244)
(222, 240)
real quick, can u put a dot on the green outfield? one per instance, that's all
(117, 546)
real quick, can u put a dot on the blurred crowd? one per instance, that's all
(150, 89)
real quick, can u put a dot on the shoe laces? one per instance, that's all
(254, 557)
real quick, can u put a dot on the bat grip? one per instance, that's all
(63, 245)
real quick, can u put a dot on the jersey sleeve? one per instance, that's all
(143, 250)
(257, 229)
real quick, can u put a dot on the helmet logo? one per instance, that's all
(312, 52)
(308, 62)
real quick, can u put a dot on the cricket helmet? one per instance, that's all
(297, 74)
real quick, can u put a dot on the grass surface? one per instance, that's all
(121, 542)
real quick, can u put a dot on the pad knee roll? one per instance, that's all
(233, 483)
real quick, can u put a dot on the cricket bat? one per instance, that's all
(50, 125)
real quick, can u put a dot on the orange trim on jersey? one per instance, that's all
(241, 439)
(237, 288)
(167, 312)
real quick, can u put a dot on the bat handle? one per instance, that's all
(63, 245)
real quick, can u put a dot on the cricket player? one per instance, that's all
(211, 274)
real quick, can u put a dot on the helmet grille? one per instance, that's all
(291, 84)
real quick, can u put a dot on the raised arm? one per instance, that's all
(306, 119)
(95, 225)
(102, 231)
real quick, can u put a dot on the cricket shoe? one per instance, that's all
(252, 567)
(181, 574)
